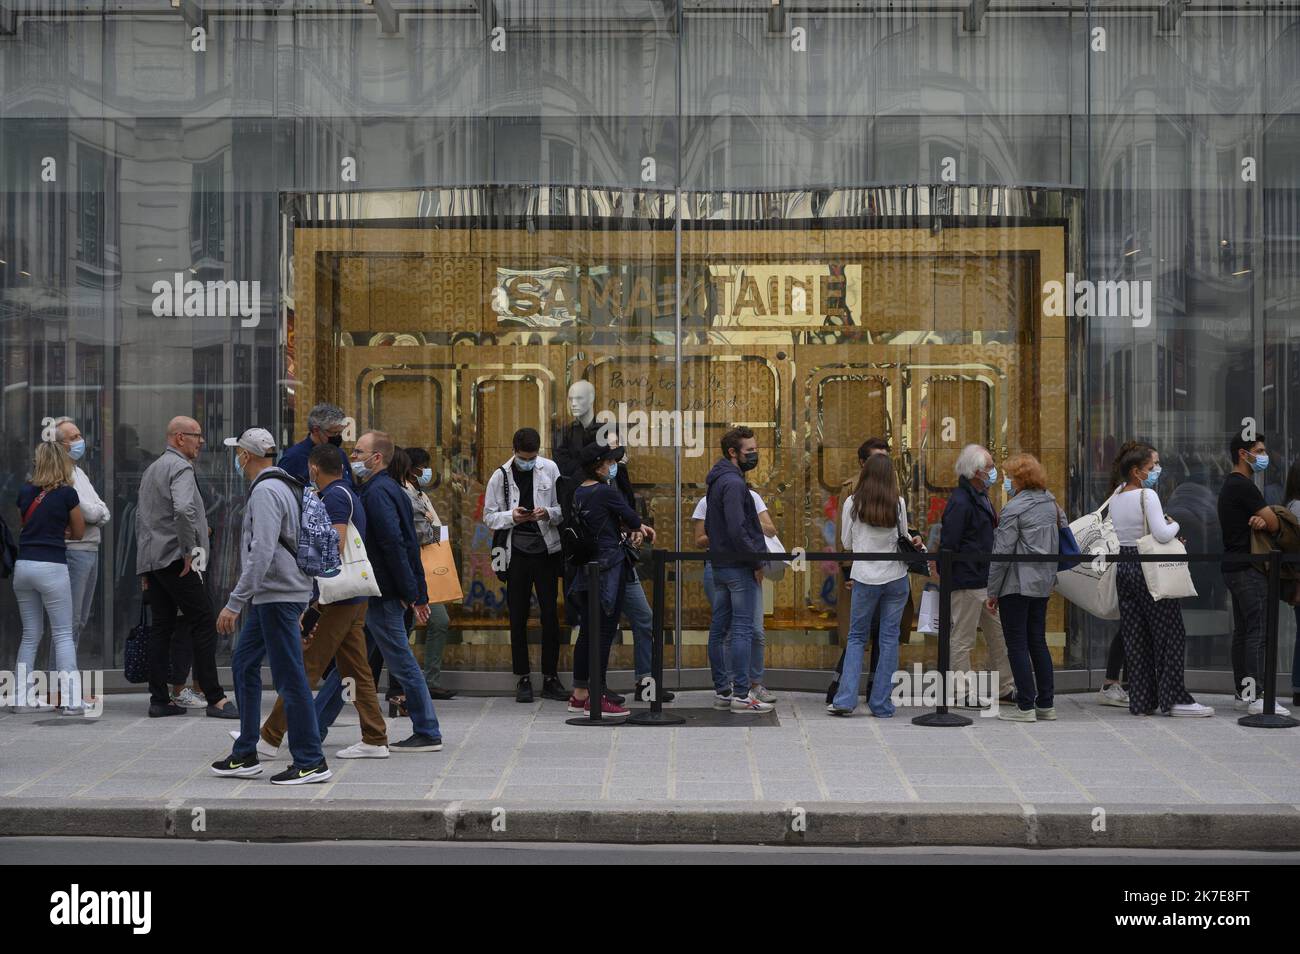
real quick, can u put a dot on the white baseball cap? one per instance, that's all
(255, 440)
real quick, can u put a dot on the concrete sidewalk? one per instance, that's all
(518, 772)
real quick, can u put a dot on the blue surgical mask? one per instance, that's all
(1259, 464)
(613, 470)
(360, 470)
(993, 476)
(1007, 488)
(1150, 479)
(78, 449)
(426, 477)
(239, 471)
(525, 464)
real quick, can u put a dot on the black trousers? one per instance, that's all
(529, 573)
(169, 594)
(1115, 658)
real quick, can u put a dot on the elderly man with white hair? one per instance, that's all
(969, 521)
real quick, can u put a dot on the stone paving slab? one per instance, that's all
(129, 771)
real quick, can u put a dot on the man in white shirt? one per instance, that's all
(83, 554)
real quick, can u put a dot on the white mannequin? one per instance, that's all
(582, 401)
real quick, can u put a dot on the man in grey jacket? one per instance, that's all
(171, 534)
(272, 592)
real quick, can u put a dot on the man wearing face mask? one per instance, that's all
(731, 524)
(83, 554)
(325, 423)
(968, 526)
(1242, 509)
(521, 497)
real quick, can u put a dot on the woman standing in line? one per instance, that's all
(1028, 524)
(51, 515)
(1152, 630)
(873, 519)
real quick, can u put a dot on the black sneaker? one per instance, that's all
(832, 691)
(171, 709)
(236, 767)
(552, 688)
(440, 694)
(416, 743)
(294, 775)
(639, 693)
(524, 691)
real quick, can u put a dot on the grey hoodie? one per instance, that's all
(1027, 524)
(268, 572)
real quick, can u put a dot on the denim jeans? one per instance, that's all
(1249, 589)
(731, 633)
(385, 630)
(82, 573)
(891, 597)
(1024, 627)
(758, 649)
(271, 631)
(636, 609)
(43, 589)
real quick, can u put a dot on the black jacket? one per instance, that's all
(391, 543)
(730, 517)
(969, 522)
(568, 448)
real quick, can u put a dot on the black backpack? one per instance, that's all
(8, 551)
(577, 542)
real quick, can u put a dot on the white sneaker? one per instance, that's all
(1113, 695)
(37, 706)
(1016, 714)
(187, 698)
(721, 700)
(1192, 710)
(363, 750)
(264, 749)
(750, 704)
(1257, 708)
(762, 694)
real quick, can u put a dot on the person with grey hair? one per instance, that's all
(968, 526)
(83, 554)
(325, 425)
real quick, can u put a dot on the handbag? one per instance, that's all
(501, 538)
(355, 576)
(928, 619)
(1086, 585)
(774, 570)
(909, 549)
(135, 655)
(440, 576)
(1166, 579)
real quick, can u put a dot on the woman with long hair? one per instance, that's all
(1152, 630)
(874, 517)
(51, 515)
(428, 528)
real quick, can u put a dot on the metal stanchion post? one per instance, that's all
(656, 714)
(941, 716)
(1269, 719)
(596, 679)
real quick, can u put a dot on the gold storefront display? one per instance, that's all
(452, 338)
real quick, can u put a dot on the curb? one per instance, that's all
(1232, 827)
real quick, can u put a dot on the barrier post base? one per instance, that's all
(587, 720)
(948, 720)
(1266, 721)
(650, 717)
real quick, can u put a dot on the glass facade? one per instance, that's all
(1036, 226)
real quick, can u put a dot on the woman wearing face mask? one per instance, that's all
(1029, 523)
(1152, 631)
(428, 527)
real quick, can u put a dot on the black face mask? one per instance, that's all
(336, 440)
(748, 461)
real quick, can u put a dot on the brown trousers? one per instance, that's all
(340, 635)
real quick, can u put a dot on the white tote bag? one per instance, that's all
(1091, 584)
(355, 576)
(1166, 580)
(774, 570)
(927, 620)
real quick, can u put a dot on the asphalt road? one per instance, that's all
(145, 851)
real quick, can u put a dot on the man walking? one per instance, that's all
(171, 533)
(272, 591)
(394, 555)
(325, 424)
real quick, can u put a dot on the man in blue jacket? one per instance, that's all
(325, 425)
(969, 521)
(394, 555)
(731, 524)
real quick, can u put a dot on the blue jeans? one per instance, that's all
(891, 597)
(272, 631)
(636, 609)
(43, 589)
(758, 649)
(1024, 627)
(385, 630)
(82, 573)
(731, 633)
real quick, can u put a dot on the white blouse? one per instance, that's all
(1126, 514)
(858, 537)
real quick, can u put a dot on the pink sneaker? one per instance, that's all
(608, 708)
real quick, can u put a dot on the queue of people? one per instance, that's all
(371, 507)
